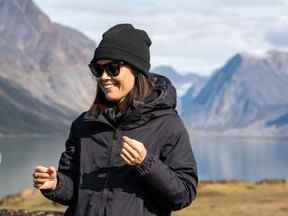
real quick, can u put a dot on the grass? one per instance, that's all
(217, 198)
(31, 200)
(239, 198)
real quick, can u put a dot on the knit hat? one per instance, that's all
(124, 42)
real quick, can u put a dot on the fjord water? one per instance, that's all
(241, 158)
(217, 157)
(20, 155)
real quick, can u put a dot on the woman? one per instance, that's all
(130, 153)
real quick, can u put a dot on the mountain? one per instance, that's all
(281, 121)
(23, 113)
(187, 99)
(181, 82)
(248, 90)
(30, 36)
(45, 64)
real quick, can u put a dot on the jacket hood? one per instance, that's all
(162, 101)
(163, 96)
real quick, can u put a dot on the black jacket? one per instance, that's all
(95, 180)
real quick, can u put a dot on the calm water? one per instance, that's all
(218, 158)
(241, 158)
(21, 155)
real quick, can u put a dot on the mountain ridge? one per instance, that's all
(46, 60)
(246, 90)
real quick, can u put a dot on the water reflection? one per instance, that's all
(241, 158)
(217, 157)
(21, 155)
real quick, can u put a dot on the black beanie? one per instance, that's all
(124, 42)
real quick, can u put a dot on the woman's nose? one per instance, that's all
(105, 75)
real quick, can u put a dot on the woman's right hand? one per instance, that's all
(45, 177)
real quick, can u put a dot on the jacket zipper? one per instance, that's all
(105, 191)
(110, 161)
(111, 156)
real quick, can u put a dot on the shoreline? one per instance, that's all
(266, 197)
(202, 182)
(192, 131)
(28, 135)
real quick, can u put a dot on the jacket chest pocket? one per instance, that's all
(94, 153)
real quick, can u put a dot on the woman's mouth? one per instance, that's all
(108, 85)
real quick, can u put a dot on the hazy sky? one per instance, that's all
(190, 35)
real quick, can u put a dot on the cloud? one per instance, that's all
(107, 7)
(277, 35)
(189, 35)
(249, 3)
(278, 38)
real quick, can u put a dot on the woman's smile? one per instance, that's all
(110, 89)
(108, 86)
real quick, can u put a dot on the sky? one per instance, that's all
(189, 35)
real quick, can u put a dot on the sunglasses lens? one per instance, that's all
(98, 70)
(112, 69)
(95, 70)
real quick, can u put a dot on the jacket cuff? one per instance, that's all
(52, 193)
(147, 164)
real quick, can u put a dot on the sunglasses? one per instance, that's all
(111, 68)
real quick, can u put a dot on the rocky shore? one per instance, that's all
(10, 212)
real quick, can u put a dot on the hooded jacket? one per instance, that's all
(93, 179)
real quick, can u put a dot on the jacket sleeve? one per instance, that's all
(66, 174)
(173, 178)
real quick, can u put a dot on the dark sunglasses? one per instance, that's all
(111, 68)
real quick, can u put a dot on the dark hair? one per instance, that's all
(142, 88)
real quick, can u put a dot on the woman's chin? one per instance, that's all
(112, 98)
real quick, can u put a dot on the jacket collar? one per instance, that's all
(88, 117)
(162, 101)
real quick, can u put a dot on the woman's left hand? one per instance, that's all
(133, 152)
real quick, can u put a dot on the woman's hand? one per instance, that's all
(133, 152)
(45, 177)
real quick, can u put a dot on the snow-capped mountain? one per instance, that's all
(183, 83)
(248, 89)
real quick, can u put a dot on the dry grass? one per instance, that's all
(240, 198)
(216, 198)
(31, 200)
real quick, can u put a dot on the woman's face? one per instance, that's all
(116, 87)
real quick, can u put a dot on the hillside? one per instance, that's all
(246, 93)
(43, 70)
